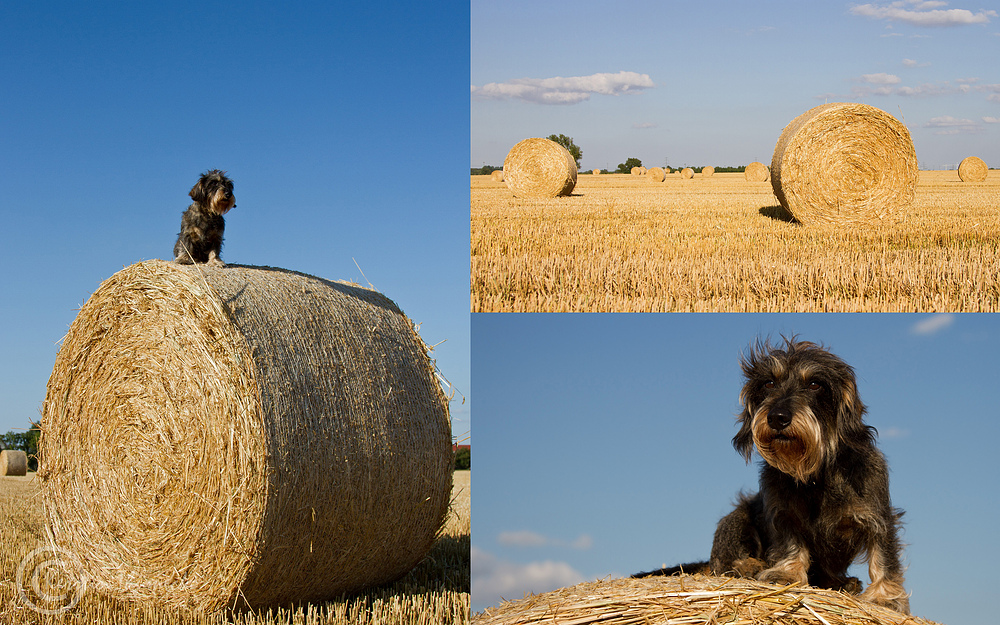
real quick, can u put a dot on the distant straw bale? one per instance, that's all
(635, 171)
(219, 436)
(692, 600)
(757, 172)
(687, 172)
(844, 163)
(707, 171)
(13, 462)
(656, 174)
(596, 172)
(497, 175)
(642, 170)
(972, 169)
(539, 168)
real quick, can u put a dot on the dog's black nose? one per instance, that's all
(779, 418)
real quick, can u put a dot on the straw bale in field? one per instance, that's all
(539, 168)
(213, 436)
(972, 169)
(692, 600)
(596, 172)
(13, 462)
(687, 172)
(844, 163)
(656, 174)
(635, 171)
(757, 172)
(707, 171)
(497, 175)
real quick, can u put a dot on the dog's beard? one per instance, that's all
(797, 450)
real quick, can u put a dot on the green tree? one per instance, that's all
(463, 459)
(25, 441)
(567, 142)
(626, 167)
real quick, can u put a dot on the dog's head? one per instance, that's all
(800, 404)
(214, 191)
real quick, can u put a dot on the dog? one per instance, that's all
(824, 485)
(202, 225)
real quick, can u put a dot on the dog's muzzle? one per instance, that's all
(779, 418)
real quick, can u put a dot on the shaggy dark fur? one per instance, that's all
(824, 486)
(202, 225)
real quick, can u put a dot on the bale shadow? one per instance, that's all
(778, 213)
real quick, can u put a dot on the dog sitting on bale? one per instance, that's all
(824, 486)
(202, 225)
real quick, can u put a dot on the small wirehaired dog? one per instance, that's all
(824, 486)
(202, 225)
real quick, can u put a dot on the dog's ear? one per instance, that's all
(198, 192)
(850, 413)
(743, 441)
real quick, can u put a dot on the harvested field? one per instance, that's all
(436, 592)
(722, 244)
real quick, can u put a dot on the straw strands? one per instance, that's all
(757, 172)
(707, 171)
(656, 174)
(844, 163)
(242, 435)
(13, 462)
(691, 600)
(497, 175)
(972, 169)
(539, 168)
(687, 173)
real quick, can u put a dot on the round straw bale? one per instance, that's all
(596, 172)
(972, 169)
(707, 171)
(656, 174)
(844, 163)
(687, 172)
(635, 171)
(13, 462)
(757, 172)
(242, 435)
(497, 175)
(694, 600)
(539, 168)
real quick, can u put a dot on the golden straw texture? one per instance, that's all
(539, 168)
(844, 163)
(691, 600)
(242, 435)
(13, 462)
(596, 172)
(972, 169)
(497, 175)
(757, 172)
(656, 174)
(687, 172)
(707, 171)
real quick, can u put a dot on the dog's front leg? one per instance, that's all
(886, 573)
(791, 562)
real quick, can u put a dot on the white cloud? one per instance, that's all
(526, 538)
(881, 79)
(932, 324)
(992, 120)
(644, 125)
(564, 90)
(924, 14)
(914, 63)
(494, 579)
(948, 125)
(893, 432)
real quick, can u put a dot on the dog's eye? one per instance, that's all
(815, 386)
(769, 384)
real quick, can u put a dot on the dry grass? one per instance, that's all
(436, 592)
(246, 435)
(722, 244)
(691, 600)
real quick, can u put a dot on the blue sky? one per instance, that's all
(679, 83)
(603, 443)
(343, 125)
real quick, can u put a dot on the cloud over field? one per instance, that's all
(527, 538)
(493, 578)
(932, 324)
(564, 90)
(921, 13)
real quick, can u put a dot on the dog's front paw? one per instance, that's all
(781, 576)
(216, 262)
(183, 260)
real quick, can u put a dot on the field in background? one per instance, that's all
(722, 244)
(436, 592)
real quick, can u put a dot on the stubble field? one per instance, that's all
(436, 592)
(623, 243)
